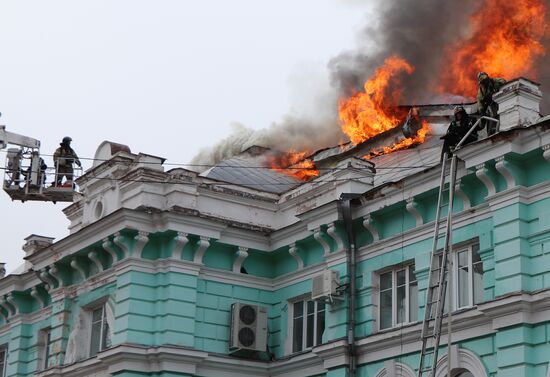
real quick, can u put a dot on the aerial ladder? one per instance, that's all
(440, 271)
(25, 173)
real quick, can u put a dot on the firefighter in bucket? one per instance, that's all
(64, 158)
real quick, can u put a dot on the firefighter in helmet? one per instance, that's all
(458, 128)
(485, 104)
(64, 158)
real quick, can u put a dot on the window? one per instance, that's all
(467, 277)
(44, 341)
(3, 361)
(398, 301)
(308, 324)
(99, 338)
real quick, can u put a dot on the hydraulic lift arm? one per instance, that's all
(7, 137)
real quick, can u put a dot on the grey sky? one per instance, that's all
(164, 77)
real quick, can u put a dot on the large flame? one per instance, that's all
(369, 113)
(294, 164)
(504, 40)
(419, 138)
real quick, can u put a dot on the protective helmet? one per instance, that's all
(482, 76)
(458, 109)
(66, 140)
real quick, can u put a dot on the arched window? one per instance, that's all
(464, 363)
(395, 369)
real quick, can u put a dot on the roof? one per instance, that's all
(250, 172)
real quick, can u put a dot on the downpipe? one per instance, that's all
(345, 211)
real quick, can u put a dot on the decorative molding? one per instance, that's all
(395, 369)
(118, 240)
(108, 247)
(319, 238)
(56, 274)
(241, 255)
(293, 251)
(11, 300)
(180, 240)
(461, 358)
(43, 275)
(459, 192)
(78, 268)
(95, 258)
(141, 240)
(204, 243)
(546, 155)
(510, 171)
(412, 208)
(36, 295)
(483, 174)
(369, 225)
(6, 306)
(331, 230)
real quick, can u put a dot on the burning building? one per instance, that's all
(246, 269)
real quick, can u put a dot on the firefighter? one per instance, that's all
(458, 128)
(63, 158)
(485, 104)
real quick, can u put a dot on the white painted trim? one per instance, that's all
(240, 256)
(331, 231)
(395, 369)
(482, 175)
(412, 208)
(466, 360)
(318, 237)
(293, 251)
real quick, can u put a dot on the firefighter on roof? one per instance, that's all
(458, 128)
(485, 104)
(63, 158)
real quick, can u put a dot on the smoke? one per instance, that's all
(310, 125)
(420, 31)
(416, 30)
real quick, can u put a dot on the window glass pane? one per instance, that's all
(413, 300)
(95, 338)
(320, 322)
(386, 309)
(463, 283)
(47, 349)
(97, 314)
(298, 309)
(298, 327)
(106, 341)
(401, 291)
(385, 281)
(310, 323)
(477, 269)
(3, 355)
(401, 277)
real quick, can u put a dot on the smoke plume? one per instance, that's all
(420, 31)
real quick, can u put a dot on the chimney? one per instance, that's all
(518, 103)
(34, 243)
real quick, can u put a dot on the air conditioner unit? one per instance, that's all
(324, 287)
(248, 327)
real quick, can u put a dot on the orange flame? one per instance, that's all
(367, 114)
(403, 144)
(505, 40)
(294, 164)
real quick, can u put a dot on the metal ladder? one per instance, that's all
(437, 282)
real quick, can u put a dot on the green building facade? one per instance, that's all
(144, 283)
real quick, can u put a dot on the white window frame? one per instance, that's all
(316, 340)
(44, 341)
(3, 360)
(469, 248)
(102, 335)
(394, 270)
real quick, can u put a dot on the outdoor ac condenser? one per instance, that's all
(248, 327)
(324, 286)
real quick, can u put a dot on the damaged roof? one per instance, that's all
(249, 171)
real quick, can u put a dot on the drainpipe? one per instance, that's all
(345, 211)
